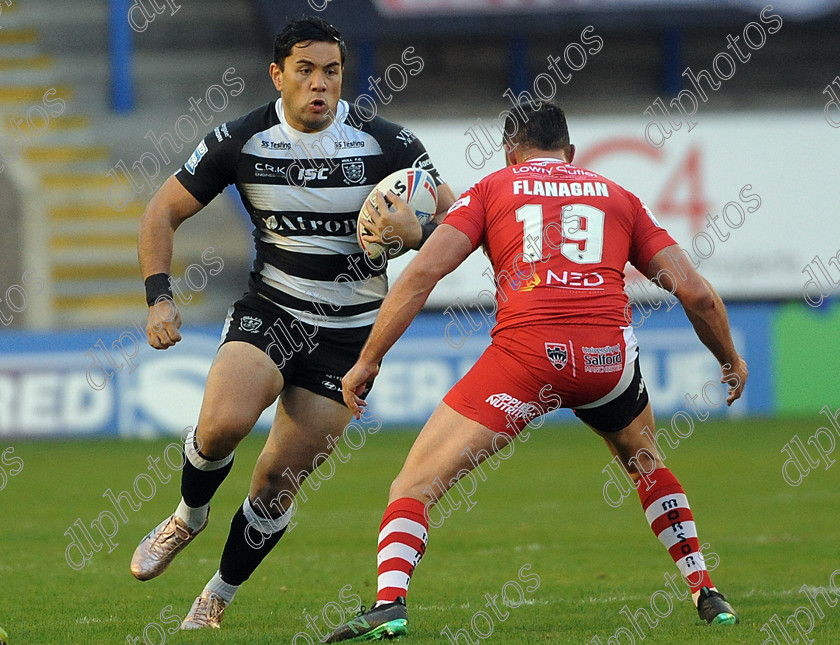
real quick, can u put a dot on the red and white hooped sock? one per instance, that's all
(669, 515)
(403, 535)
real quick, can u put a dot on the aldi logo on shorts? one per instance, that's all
(250, 324)
(558, 354)
(602, 359)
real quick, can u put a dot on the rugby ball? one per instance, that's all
(417, 188)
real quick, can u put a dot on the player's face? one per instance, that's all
(310, 84)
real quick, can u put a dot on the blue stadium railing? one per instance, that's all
(122, 59)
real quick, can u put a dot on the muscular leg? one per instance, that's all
(436, 460)
(663, 499)
(439, 452)
(635, 450)
(241, 384)
(306, 425)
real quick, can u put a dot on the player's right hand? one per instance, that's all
(735, 377)
(163, 324)
(396, 224)
(354, 383)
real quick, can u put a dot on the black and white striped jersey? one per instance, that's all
(303, 192)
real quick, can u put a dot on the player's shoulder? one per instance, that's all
(492, 181)
(607, 187)
(223, 144)
(591, 175)
(386, 132)
(257, 120)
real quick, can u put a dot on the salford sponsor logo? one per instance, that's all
(602, 359)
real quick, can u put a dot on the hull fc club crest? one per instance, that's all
(250, 324)
(353, 169)
(557, 354)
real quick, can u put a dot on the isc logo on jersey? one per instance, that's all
(311, 174)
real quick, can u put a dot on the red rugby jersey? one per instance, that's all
(558, 238)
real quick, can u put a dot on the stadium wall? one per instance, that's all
(752, 212)
(109, 382)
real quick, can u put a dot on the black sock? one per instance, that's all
(243, 554)
(199, 486)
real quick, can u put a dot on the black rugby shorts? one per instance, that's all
(314, 358)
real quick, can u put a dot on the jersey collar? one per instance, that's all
(546, 160)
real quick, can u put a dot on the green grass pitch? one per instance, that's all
(542, 508)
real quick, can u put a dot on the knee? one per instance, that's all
(641, 463)
(274, 492)
(633, 473)
(397, 490)
(217, 442)
(425, 492)
(277, 483)
(219, 433)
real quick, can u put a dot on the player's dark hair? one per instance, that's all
(540, 125)
(307, 29)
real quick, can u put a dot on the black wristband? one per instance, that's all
(428, 228)
(157, 286)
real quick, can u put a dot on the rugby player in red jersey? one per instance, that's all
(564, 342)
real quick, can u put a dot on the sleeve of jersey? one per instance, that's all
(210, 168)
(468, 216)
(649, 238)
(414, 155)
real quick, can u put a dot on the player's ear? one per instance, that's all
(570, 156)
(510, 157)
(276, 76)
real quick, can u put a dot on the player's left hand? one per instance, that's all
(734, 376)
(163, 324)
(354, 383)
(397, 225)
